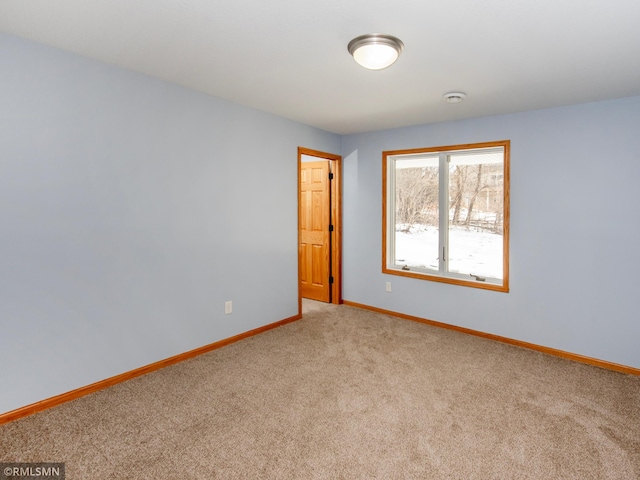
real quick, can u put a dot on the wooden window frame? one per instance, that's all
(387, 216)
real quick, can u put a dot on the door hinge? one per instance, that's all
(330, 176)
(330, 279)
(331, 228)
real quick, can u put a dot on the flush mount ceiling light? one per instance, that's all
(375, 51)
(454, 97)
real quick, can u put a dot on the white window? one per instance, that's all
(446, 214)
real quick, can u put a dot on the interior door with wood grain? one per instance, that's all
(315, 218)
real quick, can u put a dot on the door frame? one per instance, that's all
(335, 165)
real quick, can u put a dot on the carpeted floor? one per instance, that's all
(346, 393)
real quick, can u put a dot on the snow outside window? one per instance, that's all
(446, 214)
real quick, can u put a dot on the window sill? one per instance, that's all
(504, 287)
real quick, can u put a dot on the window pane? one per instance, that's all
(416, 211)
(476, 193)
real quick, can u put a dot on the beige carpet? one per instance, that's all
(348, 394)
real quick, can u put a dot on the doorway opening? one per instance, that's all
(319, 226)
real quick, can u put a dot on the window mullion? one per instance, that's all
(443, 209)
(391, 212)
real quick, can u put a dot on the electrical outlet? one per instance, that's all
(388, 286)
(228, 307)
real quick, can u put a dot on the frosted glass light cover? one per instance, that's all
(375, 51)
(375, 57)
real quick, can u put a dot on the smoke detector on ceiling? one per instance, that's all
(454, 97)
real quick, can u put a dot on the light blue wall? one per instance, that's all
(130, 211)
(575, 230)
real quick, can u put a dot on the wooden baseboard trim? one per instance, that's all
(518, 343)
(123, 377)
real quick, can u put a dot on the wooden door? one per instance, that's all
(315, 217)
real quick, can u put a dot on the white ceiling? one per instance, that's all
(289, 57)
